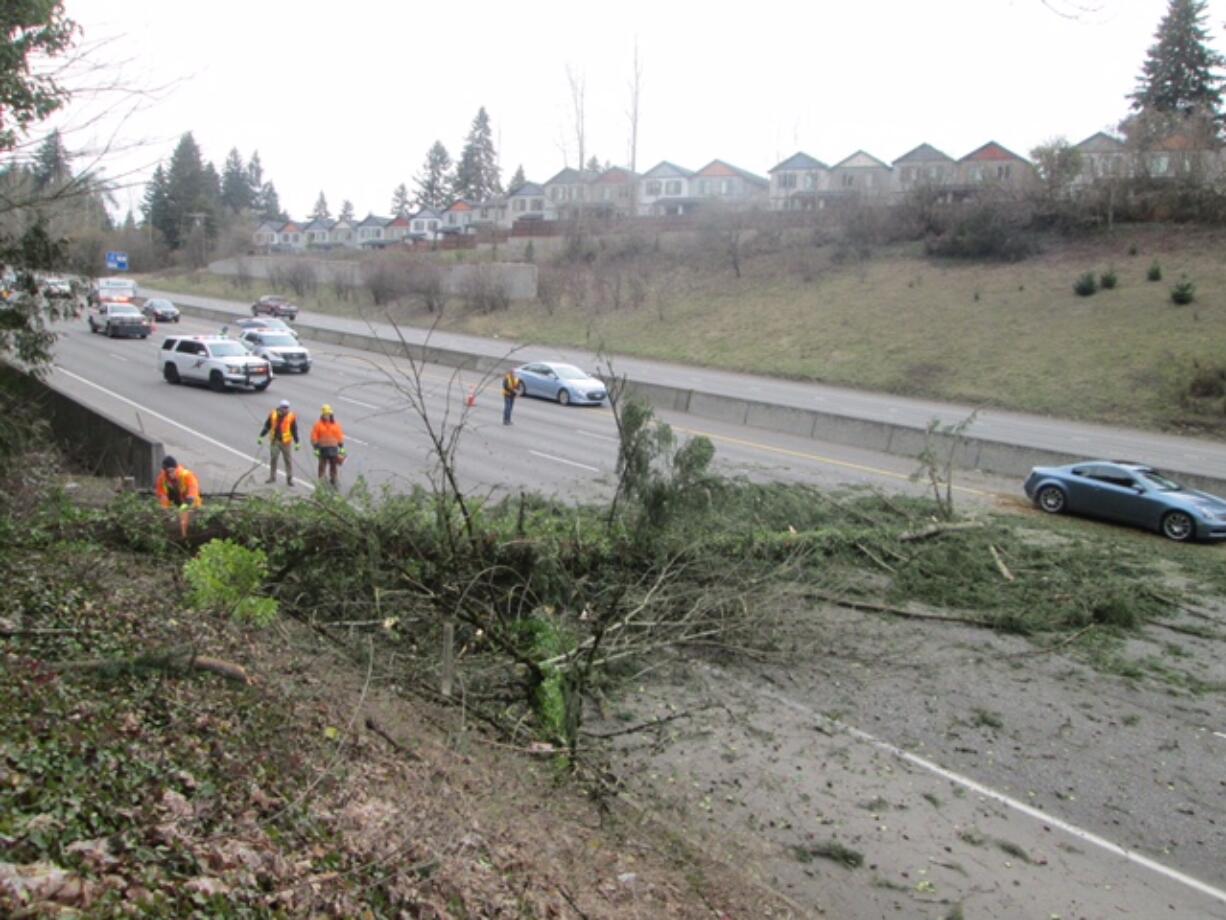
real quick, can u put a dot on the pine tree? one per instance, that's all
(518, 180)
(477, 172)
(346, 211)
(1178, 76)
(190, 192)
(129, 222)
(320, 211)
(155, 207)
(434, 183)
(593, 164)
(255, 177)
(400, 201)
(236, 192)
(268, 204)
(51, 164)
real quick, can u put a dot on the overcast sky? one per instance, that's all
(347, 97)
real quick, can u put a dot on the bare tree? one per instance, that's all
(578, 91)
(636, 85)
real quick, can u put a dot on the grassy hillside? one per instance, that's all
(1012, 335)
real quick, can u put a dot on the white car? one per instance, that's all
(282, 350)
(215, 360)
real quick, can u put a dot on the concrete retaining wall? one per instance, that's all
(887, 437)
(91, 439)
(516, 279)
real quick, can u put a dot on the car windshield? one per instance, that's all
(276, 340)
(123, 310)
(227, 350)
(266, 324)
(1158, 481)
(161, 304)
(569, 372)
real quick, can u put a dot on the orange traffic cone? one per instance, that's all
(472, 397)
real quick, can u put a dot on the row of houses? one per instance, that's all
(800, 182)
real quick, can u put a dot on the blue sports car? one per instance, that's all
(562, 382)
(1128, 493)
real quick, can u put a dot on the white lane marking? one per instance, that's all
(168, 421)
(117, 357)
(1220, 734)
(582, 466)
(988, 792)
(602, 437)
(358, 402)
(358, 441)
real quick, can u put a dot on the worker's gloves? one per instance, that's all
(343, 452)
(317, 453)
(297, 446)
(259, 441)
(185, 507)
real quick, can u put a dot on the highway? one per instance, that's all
(568, 452)
(1187, 455)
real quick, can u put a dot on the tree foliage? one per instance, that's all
(477, 175)
(518, 181)
(1179, 75)
(31, 31)
(434, 183)
(1058, 163)
(400, 201)
(321, 210)
(346, 211)
(237, 195)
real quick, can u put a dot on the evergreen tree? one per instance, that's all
(593, 164)
(155, 206)
(129, 222)
(1178, 76)
(236, 193)
(477, 172)
(346, 211)
(268, 204)
(191, 192)
(400, 201)
(255, 177)
(518, 180)
(320, 211)
(51, 167)
(434, 184)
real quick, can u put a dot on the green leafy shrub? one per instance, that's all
(1085, 285)
(1183, 293)
(1155, 272)
(1108, 280)
(1132, 250)
(227, 578)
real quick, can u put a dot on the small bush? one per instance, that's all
(1085, 285)
(1183, 293)
(1155, 272)
(1108, 280)
(1132, 250)
(1207, 382)
(227, 578)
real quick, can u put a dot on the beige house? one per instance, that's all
(664, 190)
(720, 181)
(861, 175)
(924, 167)
(797, 183)
(1103, 157)
(993, 166)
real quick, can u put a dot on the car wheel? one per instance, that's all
(564, 397)
(110, 333)
(217, 383)
(1051, 499)
(306, 370)
(171, 373)
(1178, 526)
(255, 311)
(92, 328)
(261, 387)
(521, 390)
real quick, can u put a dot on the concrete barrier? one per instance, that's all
(887, 437)
(92, 440)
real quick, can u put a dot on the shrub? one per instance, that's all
(1207, 382)
(1108, 280)
(1155, 272)
(988, 231)
(1085, 285)
(1183, 293)
(227, 577)
(1132, 250)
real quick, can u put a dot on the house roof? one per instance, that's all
(425, 214)
(615, 175)
(290, 226)
(924, 153)
(860, 160)
(1101, 142)
(460, 204)
(667, 170)
(720, 169)
(372, 221)
(528, 190)
(800, 160)
(400, 220)
(269, 225)
(991, 152)
(570, 176)
(321, 223)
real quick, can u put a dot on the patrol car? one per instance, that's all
(215, 360)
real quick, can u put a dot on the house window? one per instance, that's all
(433, 225)
(538, 204)
(810, 181)
(787, 180)
(653, 187)
(1002, 171)
(704, 187)
(725, 187)
(518, 205)
(672, 187)
(848, 180)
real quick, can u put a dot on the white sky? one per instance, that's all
(348, 97)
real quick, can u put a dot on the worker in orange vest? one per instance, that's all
(328, 439)
(282, 425)
(178, 487)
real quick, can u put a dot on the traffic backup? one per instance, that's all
(215, 360)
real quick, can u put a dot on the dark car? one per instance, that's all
(1128, 493)
(274, 305)
(160, 310)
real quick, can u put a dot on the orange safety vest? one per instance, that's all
(510, 384)
(186, 488)
(287, 426)
(327, 434)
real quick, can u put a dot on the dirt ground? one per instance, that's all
(898, 768)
